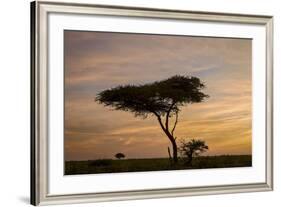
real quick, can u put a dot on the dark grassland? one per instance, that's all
(154, 164)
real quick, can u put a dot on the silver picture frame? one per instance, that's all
(39, 100)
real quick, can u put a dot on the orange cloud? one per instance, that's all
(95, 61)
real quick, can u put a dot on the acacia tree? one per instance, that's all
(192, 148)
(119, 155)
(162, 99)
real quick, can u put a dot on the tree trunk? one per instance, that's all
(169, 153)
(175, 151)
(170, 136)
(174, 145)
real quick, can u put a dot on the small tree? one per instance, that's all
(192, 148)
(162, 99)
(120, 155)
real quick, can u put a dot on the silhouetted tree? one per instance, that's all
(192, 148)
(120, 155)
(162, 99)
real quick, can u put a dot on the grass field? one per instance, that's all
(154, 164)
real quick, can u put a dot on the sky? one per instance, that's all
(96, 61)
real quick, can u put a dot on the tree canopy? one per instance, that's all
(158, 97)
(119, 155)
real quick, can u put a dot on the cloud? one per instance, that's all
(95, 61)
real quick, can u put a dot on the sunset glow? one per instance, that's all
(95, 61)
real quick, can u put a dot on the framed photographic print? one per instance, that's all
(134, 103)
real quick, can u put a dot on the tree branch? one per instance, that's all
(161, 124)
(175, 124)
(169, 135)
(168, 115)
(160, 121)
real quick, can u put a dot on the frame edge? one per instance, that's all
(33, 200)
(38, 196)
(153, 194)
(269, 103)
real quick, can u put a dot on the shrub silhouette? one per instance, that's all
(192, 148)
(161, 99)
(120, 156)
